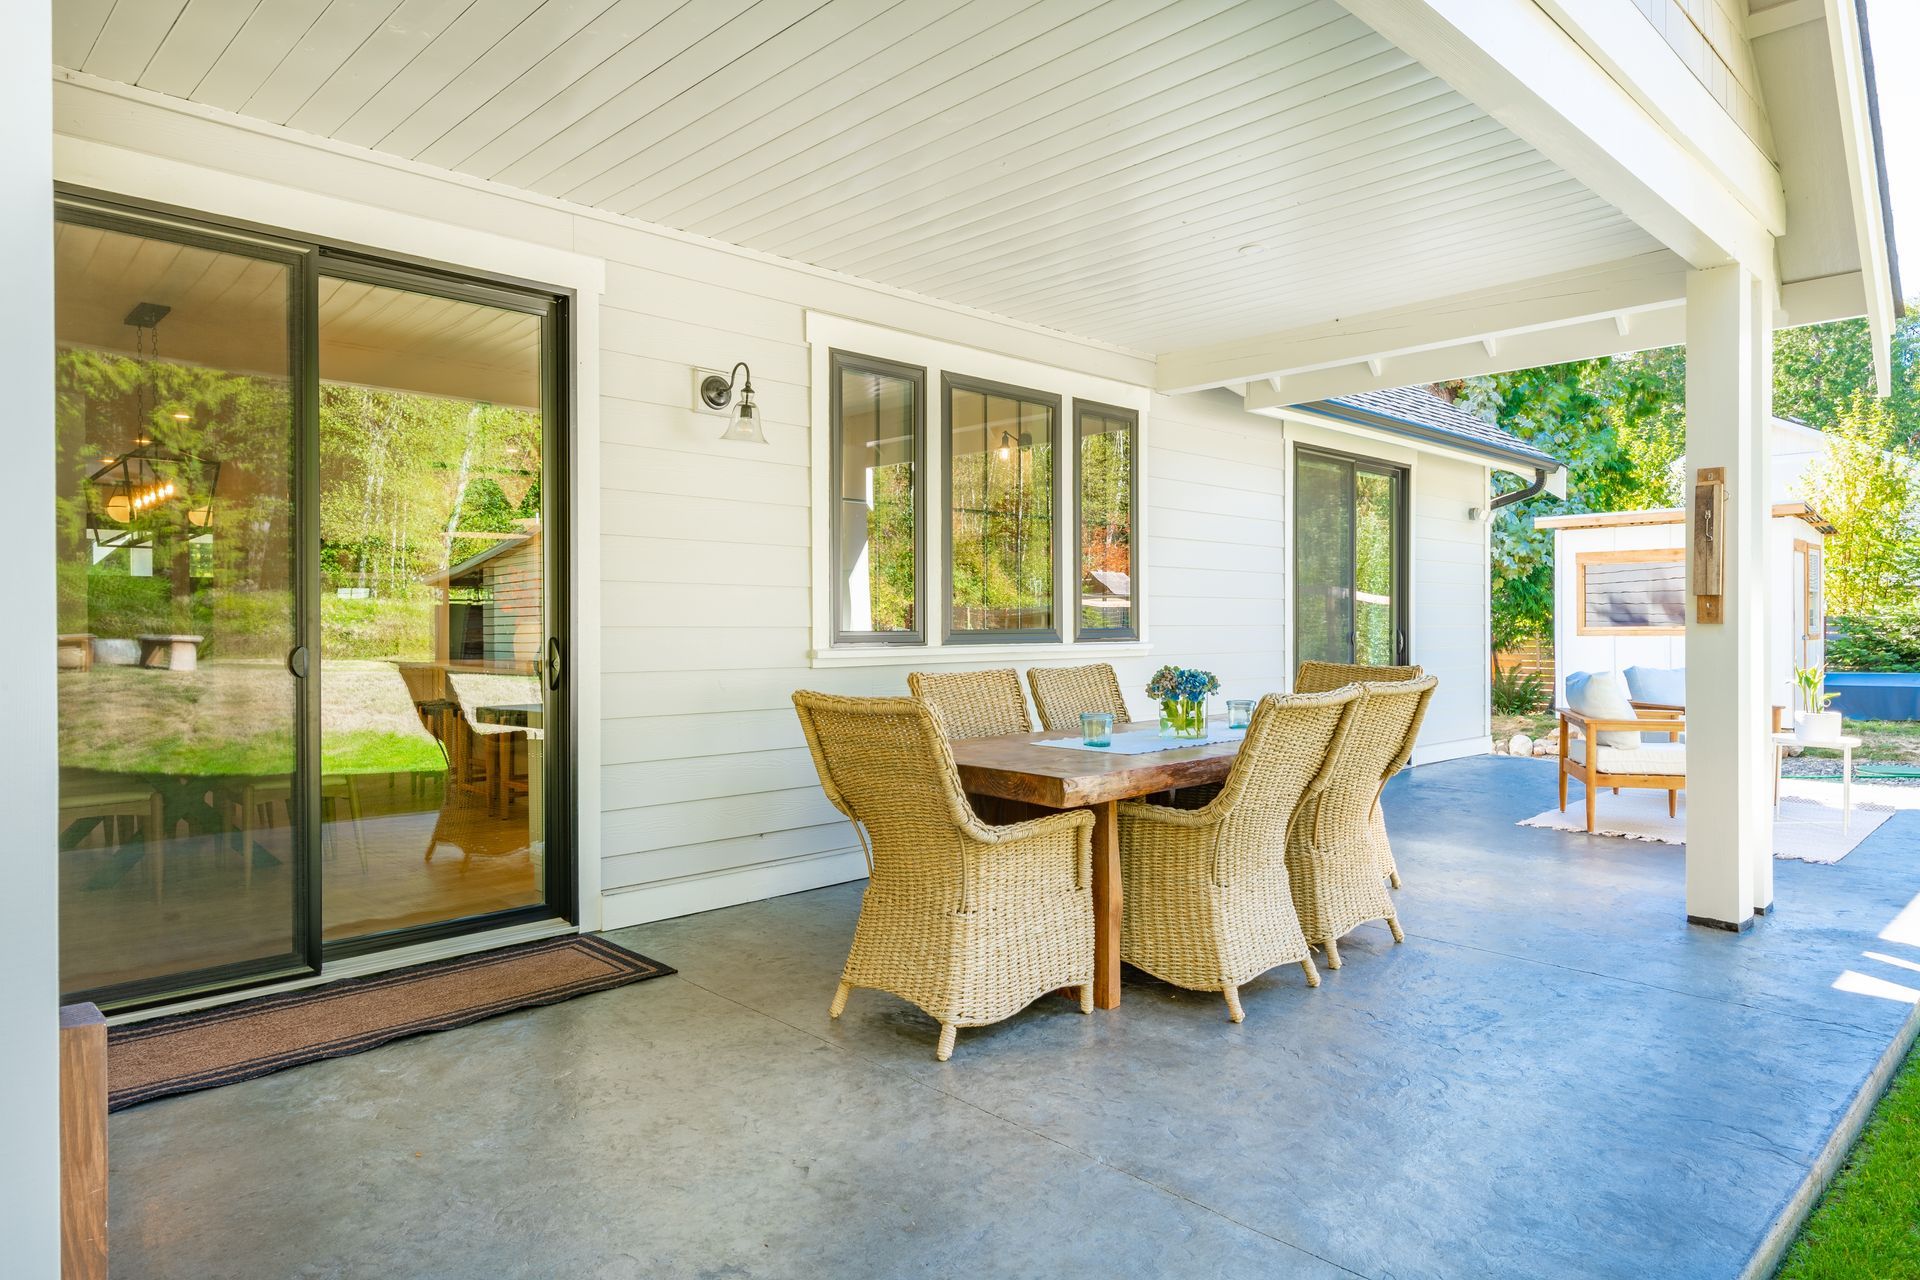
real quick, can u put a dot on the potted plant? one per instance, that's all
(1182, 692)
(1816, 723)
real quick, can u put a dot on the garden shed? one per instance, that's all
(1619, 593)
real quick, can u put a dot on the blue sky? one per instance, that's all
(1894, 27)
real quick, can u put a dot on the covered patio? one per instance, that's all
(1120, 303)
(1554, 1076)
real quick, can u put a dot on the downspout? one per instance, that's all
(1521, 495)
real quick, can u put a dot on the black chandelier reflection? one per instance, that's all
(150, 490)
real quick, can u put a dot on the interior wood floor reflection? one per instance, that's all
(126, 916)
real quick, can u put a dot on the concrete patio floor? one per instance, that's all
(1554, 1076)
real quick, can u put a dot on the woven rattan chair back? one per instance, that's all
(1386, 719)
(973, 704)
(885, 764)
(1062, 694)
(1318, 677)
(1290, 745)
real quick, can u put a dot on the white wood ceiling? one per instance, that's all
(1153, 173)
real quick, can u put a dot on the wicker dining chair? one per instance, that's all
(1061, 694)
(971, 922)
(1318, 677)
(1209, 904)
(1331, 860)
(973, 704)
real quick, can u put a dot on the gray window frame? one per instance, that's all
(949, 383)
(1402, 475)
(1132, 630)
(838, 360)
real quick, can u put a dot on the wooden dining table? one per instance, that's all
(1013, 768)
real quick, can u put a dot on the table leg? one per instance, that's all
(1846, 788)
(1106, 905)
(1779, 756)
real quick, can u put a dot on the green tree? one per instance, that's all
(1619, 426)
(1821, 369)
(1867, 487)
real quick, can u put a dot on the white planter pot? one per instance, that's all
(1816, 726)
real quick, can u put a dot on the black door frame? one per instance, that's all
(1402, 477)
(305, 256)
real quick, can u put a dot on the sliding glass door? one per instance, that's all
(1350, 559)
(178, 419)
(310, 573)
(433, 603)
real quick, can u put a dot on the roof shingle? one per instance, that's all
(1418, 413)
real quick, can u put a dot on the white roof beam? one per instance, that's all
(1847, 49)
(1806, 302)
(1624, 43)
(1516, 62)
(1630, 285)
(1579, 341)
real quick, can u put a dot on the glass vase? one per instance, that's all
(1183, 718)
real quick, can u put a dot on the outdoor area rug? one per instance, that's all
(1807, 829)
(257, 1037)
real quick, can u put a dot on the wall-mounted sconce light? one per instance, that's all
(716, 392)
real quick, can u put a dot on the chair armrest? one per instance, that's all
(1045, 825)
(1593, 724)
(1166, 815)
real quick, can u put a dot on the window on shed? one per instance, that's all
(1633, 592)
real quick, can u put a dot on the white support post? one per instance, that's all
(1729, 411)
(29, 898)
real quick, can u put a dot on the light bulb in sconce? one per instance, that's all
(1006, 446)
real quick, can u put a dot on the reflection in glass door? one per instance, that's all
(177, 425)
(1350, 559)
(433, 596)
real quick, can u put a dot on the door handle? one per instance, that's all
(297, 661)
(553, 662)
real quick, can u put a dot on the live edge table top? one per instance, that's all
(1013, 768)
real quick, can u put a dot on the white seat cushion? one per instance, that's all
(1651, 756)
(1602, 695)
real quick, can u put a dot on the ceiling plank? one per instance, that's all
(199, 36)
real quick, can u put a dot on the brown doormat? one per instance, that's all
(258, 1037)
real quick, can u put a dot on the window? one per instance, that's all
(1632, 592)
(966, 498)
(1350, 559)
(878, 439)
(1106, 470)
(1000, 452)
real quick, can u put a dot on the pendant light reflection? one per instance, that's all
(743, 424)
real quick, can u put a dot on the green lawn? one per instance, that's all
(1867, 1226)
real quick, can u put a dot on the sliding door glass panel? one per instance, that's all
(176, 423)
(878, 415)
(1000, 478)
(1323, 558)
(1376, 566)
(1106, 471)
(432, 608)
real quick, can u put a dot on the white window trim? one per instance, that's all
(825, 333)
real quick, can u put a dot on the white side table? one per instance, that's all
(1844, 744)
